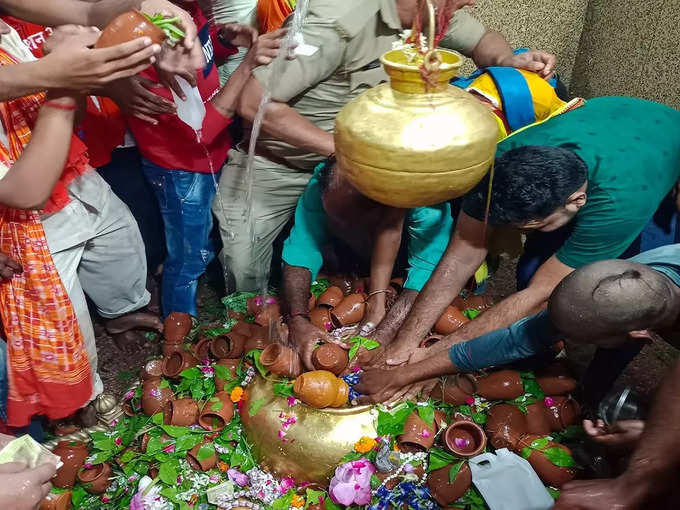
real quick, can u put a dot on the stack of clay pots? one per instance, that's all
(453, 317)
(338, 307)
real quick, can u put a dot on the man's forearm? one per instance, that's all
(65, 12)
(430, 368)
(22, 79)
(491, 50)
(296, 284)
(284, 123)
(227, 98)
(389, 326)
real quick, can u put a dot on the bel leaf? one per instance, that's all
(223, 373)
(255, 406)
(168, 473)
(157, 419)
(455, 469)
(540, 443)
(187, 442)
(191, 373)
(312, 497)
(100, 457)
(439, 459)
(284, 389)
(217, 406)
(559, 457)
(174, 431)
(426, 414)
(392, 422)
(205, 452)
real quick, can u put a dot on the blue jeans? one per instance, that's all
(185, 199)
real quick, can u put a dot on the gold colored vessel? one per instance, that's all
(312, 447)
(406, 146)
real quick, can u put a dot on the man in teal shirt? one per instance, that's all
(331, 207)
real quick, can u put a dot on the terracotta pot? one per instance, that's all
(330, 357)
(200, 465)
(144, 443)
(459, 303)
(444, 492)
(127, 27)
(96, 479)
(360, 285)
(256, 342)
(480, 303)
(549, 473)
(465, 439)
(538, 421)
(563, 412)
(57, 501)
(430, 341)
(152, 369)
(418, 436)
(201, 350)
(254, 305)
(217, 412)
(350, 311)
(228, 346)
(501, 385)
(176, 327)
(455, 390)
(505, 424)
(170, 349)
(270, 316)
(450, 321)
(331, 298)
(232, 365)
(73, 455)
(342, 282)
(154, 397)
(242, 328)
(177, 362)
(231, 314)
(280, 360)
(311, 303)
(321, 389)
(321, 318)
(182, 412)
(557, 384)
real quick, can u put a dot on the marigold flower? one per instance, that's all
(297, 501)
(223, 466)
(365, 444)
(237, 394)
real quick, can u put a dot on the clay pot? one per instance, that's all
(242, 328)
(430, 341)
(228, 346)
(176, 327)
(144, 443)
(170, 349)
(201, 350)
(360, 285)
(417, 436)
(154, 397)
(557, 384)
(73, 455)
(480, 303)
(269, 316)
(181, 413)
(128, 27)
(177, 362)
(280, 360)
(450, 321)
(312, 302)
(549, 473)
(60, 501)
(331, 298)
(217, 412)
(231, 314)
(254, 305)
(96, 479)
(200, 465)
(465, 439)
(563, 412)
(444, 492)
(538, 421)
(232, 365)
(342, 282)
(350, 311)
(256, 342)
(321, 318)
(505, 424)
(321, 389)
(330, 357)
(152, 369)
(455, 390)
(501, 385)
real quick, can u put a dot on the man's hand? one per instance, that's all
(265, 49)
(134, 96)
(540, 62)
(8, 268)
(180, 62)
(22, 488)
(616, 494)
(304, 337)
(239, 35)
(379, 385)
(622, 435)
(169, 10)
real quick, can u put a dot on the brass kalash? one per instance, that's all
(403, 144)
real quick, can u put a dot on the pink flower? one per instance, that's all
(356, 369)
(207, 369)
(87, 465)
(169, 449)
(238, 478)
(155, 393)
(286, 485)
(549, 402)
(328, 326)
(408, 468)
(179, 479)
(281, 434)
(470, 401)
(292, 401)
(118, 441)
(270, 300)
(351, 484)
(214, 479)
(105, 499)
(142, 501)
(425, 433)
(461, 443)
(129, 395)
(258, 301)
(114, 422)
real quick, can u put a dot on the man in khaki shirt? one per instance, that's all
(344, 41)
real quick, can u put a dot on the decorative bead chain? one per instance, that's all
(250, 374)
(407, 459)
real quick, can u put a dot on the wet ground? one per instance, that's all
(119, 370)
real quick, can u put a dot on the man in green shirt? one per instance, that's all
(591, 180)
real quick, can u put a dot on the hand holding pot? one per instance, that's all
(304, 337)
(379, 385)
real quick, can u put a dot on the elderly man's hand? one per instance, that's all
(540, 62)
(8, 268)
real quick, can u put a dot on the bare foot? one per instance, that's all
(129, 341)
(135, 320)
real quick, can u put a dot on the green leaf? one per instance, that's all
(128, 456)
(330, 505)
(375, 482)
(471, 313)
(157, 418)
(439, 459)
(319, 287)
(455, 469)
(191, 373)
(559, 457)
(174, 431)
(254, 355)
(100, 457)
(283, 503)
(168, 472)
(205, 452)
(539, 444)
(187, 442)
(465, 409)
(78, 495)
(197, 391)
(238, 301)
(215, 332)
(353, 351)
(532, 388)
(313, 497)
(255, 406)
(392, 422)
(479, 418)
(217, 405)
(169, 492)
(284, 388)
(553, 492)
(154, 446)
(105, 444)
(526, 453)
(426, 414)
(164, 384)
(223, 372)
(349, 457)
(370, 345)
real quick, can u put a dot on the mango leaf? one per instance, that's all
(426, 414)
(255, 406)
(455, 469)
(174, 431)
(168, 472)
(392, 422)
(284, 388)
(223, 373)
(559, 457)
(439, 459)
(205, 452)
(187, 442)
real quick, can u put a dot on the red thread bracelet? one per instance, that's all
(59, 106)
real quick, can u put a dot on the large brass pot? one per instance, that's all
(313, 446)
(405, 146)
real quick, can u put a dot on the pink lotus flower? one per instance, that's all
(286, 485)
(351, 484)
(169, 449)
(118, 441)
(238, 478)
(470, 401)
(549, 402)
